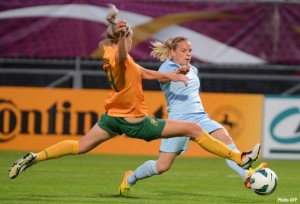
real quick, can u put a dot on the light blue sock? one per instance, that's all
(241, 172)
(146, 170)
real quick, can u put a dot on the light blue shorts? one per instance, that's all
(180, 144)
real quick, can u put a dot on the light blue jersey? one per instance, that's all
(184, 103)
(182, 99)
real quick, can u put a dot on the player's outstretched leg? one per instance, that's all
(21, 164)
(67, 147)
(249, 157)
(251, 171)
(125, 189)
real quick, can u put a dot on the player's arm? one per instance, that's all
(184, 69)
(122, 48)
(171, 76)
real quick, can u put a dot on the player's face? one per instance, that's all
(129, 40)
(183, 53)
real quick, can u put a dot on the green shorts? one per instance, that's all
(147, 129)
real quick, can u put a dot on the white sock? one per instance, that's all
(146, 170)
(241, 172)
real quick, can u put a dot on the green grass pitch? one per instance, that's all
(93, 178)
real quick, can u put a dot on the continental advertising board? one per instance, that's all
(281, 129)
(32, 119)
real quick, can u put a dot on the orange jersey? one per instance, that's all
(127, 97)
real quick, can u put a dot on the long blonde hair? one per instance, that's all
(162, 51)
(112, 36)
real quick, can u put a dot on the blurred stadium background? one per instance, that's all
(240, 47)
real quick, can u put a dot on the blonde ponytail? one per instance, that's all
(161, 51)
(112, 14)
(112, 36)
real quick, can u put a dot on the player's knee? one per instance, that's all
(163, 167)
(195, 129)
(84, 147)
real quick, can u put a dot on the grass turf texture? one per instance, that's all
(94, 178)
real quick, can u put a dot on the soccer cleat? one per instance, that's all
(22, 164)
(249, 157)
(125, 189)
(251, 171)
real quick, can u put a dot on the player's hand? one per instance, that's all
(184, 69)
(121, 27)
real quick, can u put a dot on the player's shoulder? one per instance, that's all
(194, 69)
(168, 66)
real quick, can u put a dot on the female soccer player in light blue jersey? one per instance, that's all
(184, 103)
